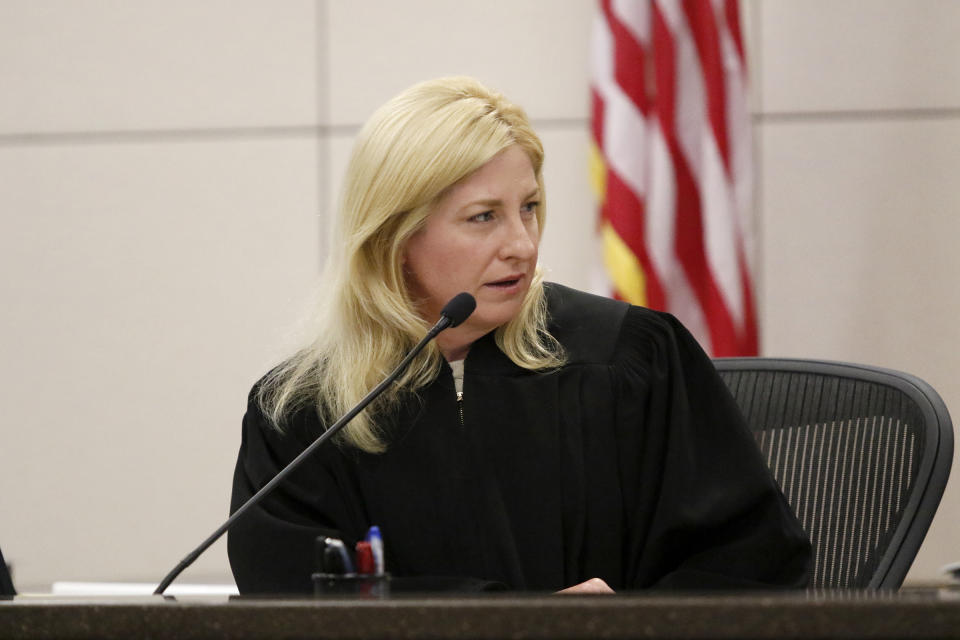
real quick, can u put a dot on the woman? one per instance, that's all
(554, 439)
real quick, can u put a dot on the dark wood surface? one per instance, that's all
(929, 613)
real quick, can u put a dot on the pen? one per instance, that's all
(335, 548)
(376, 546)
(332, 561)
(320, 554)
(365, 563)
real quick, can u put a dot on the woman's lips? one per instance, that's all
(506, 284)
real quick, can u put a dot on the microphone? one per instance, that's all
(454, 312)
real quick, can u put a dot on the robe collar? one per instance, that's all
(486, 358)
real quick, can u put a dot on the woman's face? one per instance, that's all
(482, 238)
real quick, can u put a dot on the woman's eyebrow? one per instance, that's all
(495, 202)
(487, 202)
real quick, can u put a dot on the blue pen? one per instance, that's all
(376, 546)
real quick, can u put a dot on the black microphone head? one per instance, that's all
(459, 308)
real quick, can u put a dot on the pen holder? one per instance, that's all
(351, 584)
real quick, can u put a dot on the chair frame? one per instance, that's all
(6, 581)
(934, 469)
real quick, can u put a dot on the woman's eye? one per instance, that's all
(531, 207)
(486, 216)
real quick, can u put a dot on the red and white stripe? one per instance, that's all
(672, 129)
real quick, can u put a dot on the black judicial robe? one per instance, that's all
(630, 463)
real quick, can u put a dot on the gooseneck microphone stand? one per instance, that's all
(455, 312)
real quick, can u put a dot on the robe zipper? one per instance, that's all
(460, 406)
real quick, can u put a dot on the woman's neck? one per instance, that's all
(455, 343)
(454, 354)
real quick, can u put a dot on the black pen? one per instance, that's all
(336, 549)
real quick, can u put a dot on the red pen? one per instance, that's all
(365, 563)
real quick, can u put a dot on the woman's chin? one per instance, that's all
(489, 317)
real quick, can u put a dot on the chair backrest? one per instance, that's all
(861, 453)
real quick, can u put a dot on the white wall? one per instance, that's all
(167, 170)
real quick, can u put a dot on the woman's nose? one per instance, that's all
(521, 239)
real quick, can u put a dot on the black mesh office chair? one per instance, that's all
(861, 453)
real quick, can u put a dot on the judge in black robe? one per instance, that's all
(631, 463)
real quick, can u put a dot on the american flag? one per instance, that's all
(670, 163)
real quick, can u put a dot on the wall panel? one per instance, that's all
(534, 51)
(146, 287)
(856, 55)
(94, 65)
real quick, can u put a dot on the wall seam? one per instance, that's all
(324, 159)
(759, 228)
(855, 115)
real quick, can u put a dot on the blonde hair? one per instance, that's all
(407, 155)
